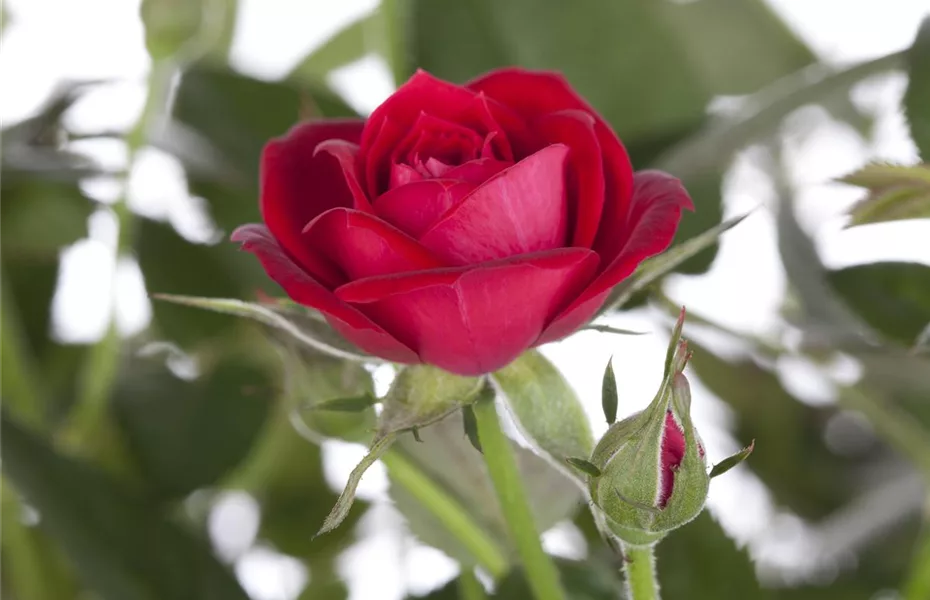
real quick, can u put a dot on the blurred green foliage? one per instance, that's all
(115, 519)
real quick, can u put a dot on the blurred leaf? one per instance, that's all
(348, 45)
(188, 434)
(825, 319)
(172, 265)
(545, 407)
(657, 267)
(347, 404)
(582, 581)
(447, 458)
(669, 68)
(788, 433)
(40, 217)
(761, 115)
(700, 561)
(122, 547)
(892, 297)
(221, 122)
(171, 25)
(895, 193)
(917, 96)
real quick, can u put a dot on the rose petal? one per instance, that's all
(413, 208)
(474, 320)
(518, 211)
(478, 170)
(365, 246)
(655, 210)
(402, 175)
(585, 173)
(537, 93)
(431, 136)
(394, 119)
(296, 186)
(304, 289)
(673, 451)
(345, 153)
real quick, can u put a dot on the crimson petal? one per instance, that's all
(365, 246)
(455, 317)
(414, 207)
(296, 186)
(345, 153)
(585, 176)
(518, 211)
(655, 210)
(304, 289)
(537, 93)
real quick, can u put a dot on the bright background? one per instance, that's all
(47, 42)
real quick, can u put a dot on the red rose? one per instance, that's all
(459, 225)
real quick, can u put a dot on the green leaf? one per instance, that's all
(731, 461)
(545, 407)
(917, 96)
(121, 545)
(188, 434)
(348, 45)
(895, 193)
(892, 297)
(449, 461)
(655, 268)
(584, 465)
(609, 399)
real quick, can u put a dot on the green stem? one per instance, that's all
(448, 511)
(640, 573)
(538, 567)
(469, 586)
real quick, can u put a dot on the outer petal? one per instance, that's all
(472, 321)
(296, 186)
(585, 175)
(658, 199)
(478, 170)
(365, 246)
(302, 288)
(518, 211)
(345, 153)
(414, 207)
(536, 93)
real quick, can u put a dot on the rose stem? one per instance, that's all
(539, 569)
(640, 573)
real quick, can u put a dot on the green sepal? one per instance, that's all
(348, 404)
(733, 460)
(470, 425)
(609, 399)
(584, 466)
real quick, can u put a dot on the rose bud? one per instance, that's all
(653, 475)
(459, 225)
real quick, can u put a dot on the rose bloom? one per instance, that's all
(459, 225)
